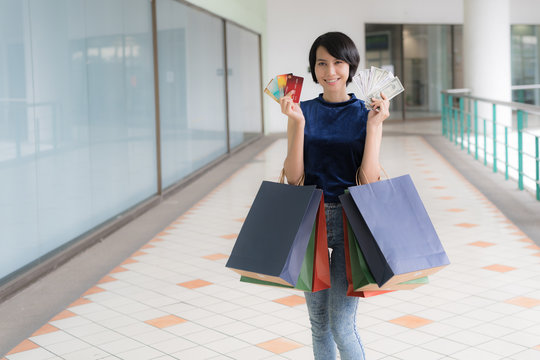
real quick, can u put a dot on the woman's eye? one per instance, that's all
(322, 64)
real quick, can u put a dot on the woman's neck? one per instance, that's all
(333, 97)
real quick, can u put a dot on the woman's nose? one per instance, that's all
(331, 69)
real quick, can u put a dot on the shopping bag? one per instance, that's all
(362, 279)
(321, 267)
(394, 230)
(305, 279)
(273, 240)
(349, 273)
(315, 272)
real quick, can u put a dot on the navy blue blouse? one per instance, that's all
(334, 138)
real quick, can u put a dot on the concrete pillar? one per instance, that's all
(486, 52)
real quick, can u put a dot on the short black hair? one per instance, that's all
(339, 46)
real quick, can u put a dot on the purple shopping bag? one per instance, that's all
(394, 231)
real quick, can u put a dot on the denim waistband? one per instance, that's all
(332, 205)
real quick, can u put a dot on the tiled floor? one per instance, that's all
(174, 299)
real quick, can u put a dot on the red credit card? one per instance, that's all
(294, 83)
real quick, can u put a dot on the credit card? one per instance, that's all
(282, 82)
(272, 89)
(281, 85)
(294, 83)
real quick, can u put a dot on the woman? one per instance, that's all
(330, 138)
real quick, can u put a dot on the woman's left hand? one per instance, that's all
(380, 110)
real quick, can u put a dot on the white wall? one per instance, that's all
(410, 11)
(525, 12)
(292, 26)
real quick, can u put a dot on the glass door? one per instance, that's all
(384, 50)
(426, 58)
(427, 63)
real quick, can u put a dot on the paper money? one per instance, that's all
(390, 90)
(371, 82)
(382, 77)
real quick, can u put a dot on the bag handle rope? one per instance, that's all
(282, 178)
(358, 182)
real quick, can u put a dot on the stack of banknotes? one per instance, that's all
(371, 82)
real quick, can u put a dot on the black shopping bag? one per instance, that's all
(394, 230)
(274, 237)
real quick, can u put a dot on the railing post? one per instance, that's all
(469, 126)
(485, 143)
(455, 126)
(476, 129)
(520, 148)
(494, 138)
(537, 168)
(443, 114)
(461, 120)
(451, 116)
(506, 152)
(448, 117)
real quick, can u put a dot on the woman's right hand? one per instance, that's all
(291, 109)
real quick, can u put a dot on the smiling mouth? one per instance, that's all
(331, 81)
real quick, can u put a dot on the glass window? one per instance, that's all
(244, 85)
(191, 89)
(77, 111)
(60, 110)
(18, 183)
(526, 62)
(121, 107)
(77, 120)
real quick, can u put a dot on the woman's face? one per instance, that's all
(330, 72)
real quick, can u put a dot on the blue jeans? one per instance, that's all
(331, 312)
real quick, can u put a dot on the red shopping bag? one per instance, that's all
(321, 263)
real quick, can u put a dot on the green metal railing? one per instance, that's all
(463, 125)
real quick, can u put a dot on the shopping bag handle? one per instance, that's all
(368, 184)
(358, 182)
(282, 178)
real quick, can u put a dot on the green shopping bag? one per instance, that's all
(362, 279)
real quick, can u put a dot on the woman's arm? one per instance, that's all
(370, 168)
(294, 162)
